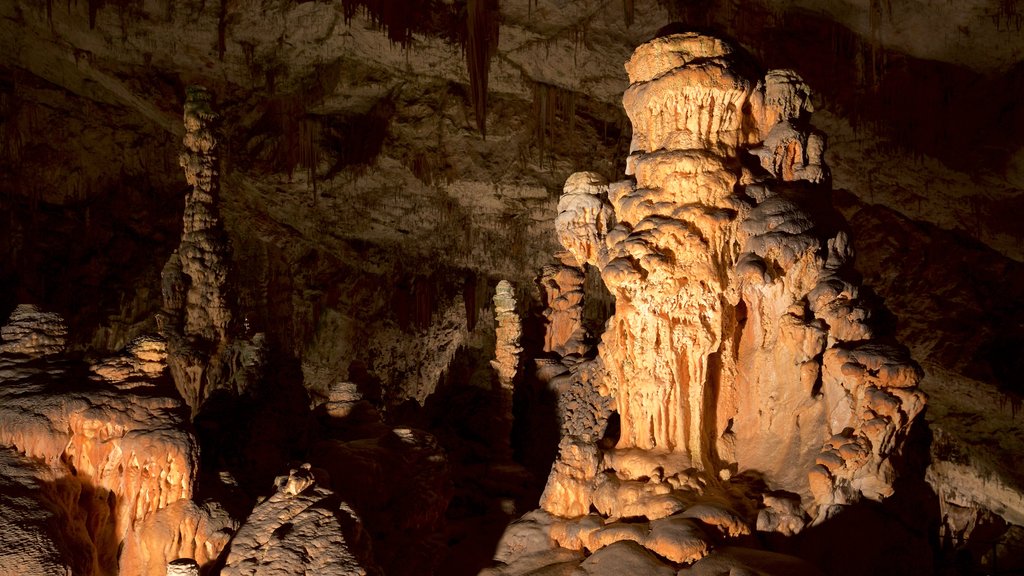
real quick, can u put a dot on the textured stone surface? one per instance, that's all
(327, 225)
(205, 356)
(739, 342)
(508, 332)
(302, 528)
(109, 455)
(31, 332)
(732, 309)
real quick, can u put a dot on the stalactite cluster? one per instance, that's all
(1009, 15)
(554, 115)
(629, 11)
(481, 45)
(15, 123)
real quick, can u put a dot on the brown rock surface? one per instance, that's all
(303, 528)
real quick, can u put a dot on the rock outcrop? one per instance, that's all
(739, 344)
(104, 453)
(303, 528)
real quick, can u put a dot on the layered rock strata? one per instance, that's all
(739, 344)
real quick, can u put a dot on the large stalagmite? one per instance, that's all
(205, 354)
(739, 342)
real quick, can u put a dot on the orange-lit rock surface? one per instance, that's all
(739, 344)
(106, 456)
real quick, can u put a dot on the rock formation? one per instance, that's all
(508, 332)
(361, 219)
(739, 342)
(562, 284)
(204, 353)
(183, 567)
(303, 528)
(31, 332)
(103, 451)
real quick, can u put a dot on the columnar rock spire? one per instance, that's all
(203, 250)
(203, 354)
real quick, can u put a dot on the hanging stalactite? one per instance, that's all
(552, 107)
(222, 27)
(481, 45)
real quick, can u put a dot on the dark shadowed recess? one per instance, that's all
(897, 537)
(949, 275)
(967, 119)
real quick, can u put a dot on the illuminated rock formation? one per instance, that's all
(563, 284)
(508, 332)
(109, 453)
(203, 250)
(739, 342)
(203, 354)
(31, 332)
(183, 567)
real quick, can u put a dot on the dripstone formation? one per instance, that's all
(206, 353)
(740, 344)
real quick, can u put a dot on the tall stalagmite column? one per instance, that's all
(203, 249)
(203, 354)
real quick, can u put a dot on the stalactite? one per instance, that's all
(628, 10)
(553, 108)
(481, 45)
(425, 294)
(221, 28)
(94, 8)
(471, 297)
(399, 18)
(1008, 14)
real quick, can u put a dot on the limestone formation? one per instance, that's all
(32, 539)
(184, 532)
(183, 567)
(204, 354)
(739, 340)
(734, 311)
(32, 332)
(303, 528)
(108, 456)
(508, 333)
(562, 284)
(203, 249)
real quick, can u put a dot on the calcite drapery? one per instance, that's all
(107, 453)
(739, 341)
(562, 285)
